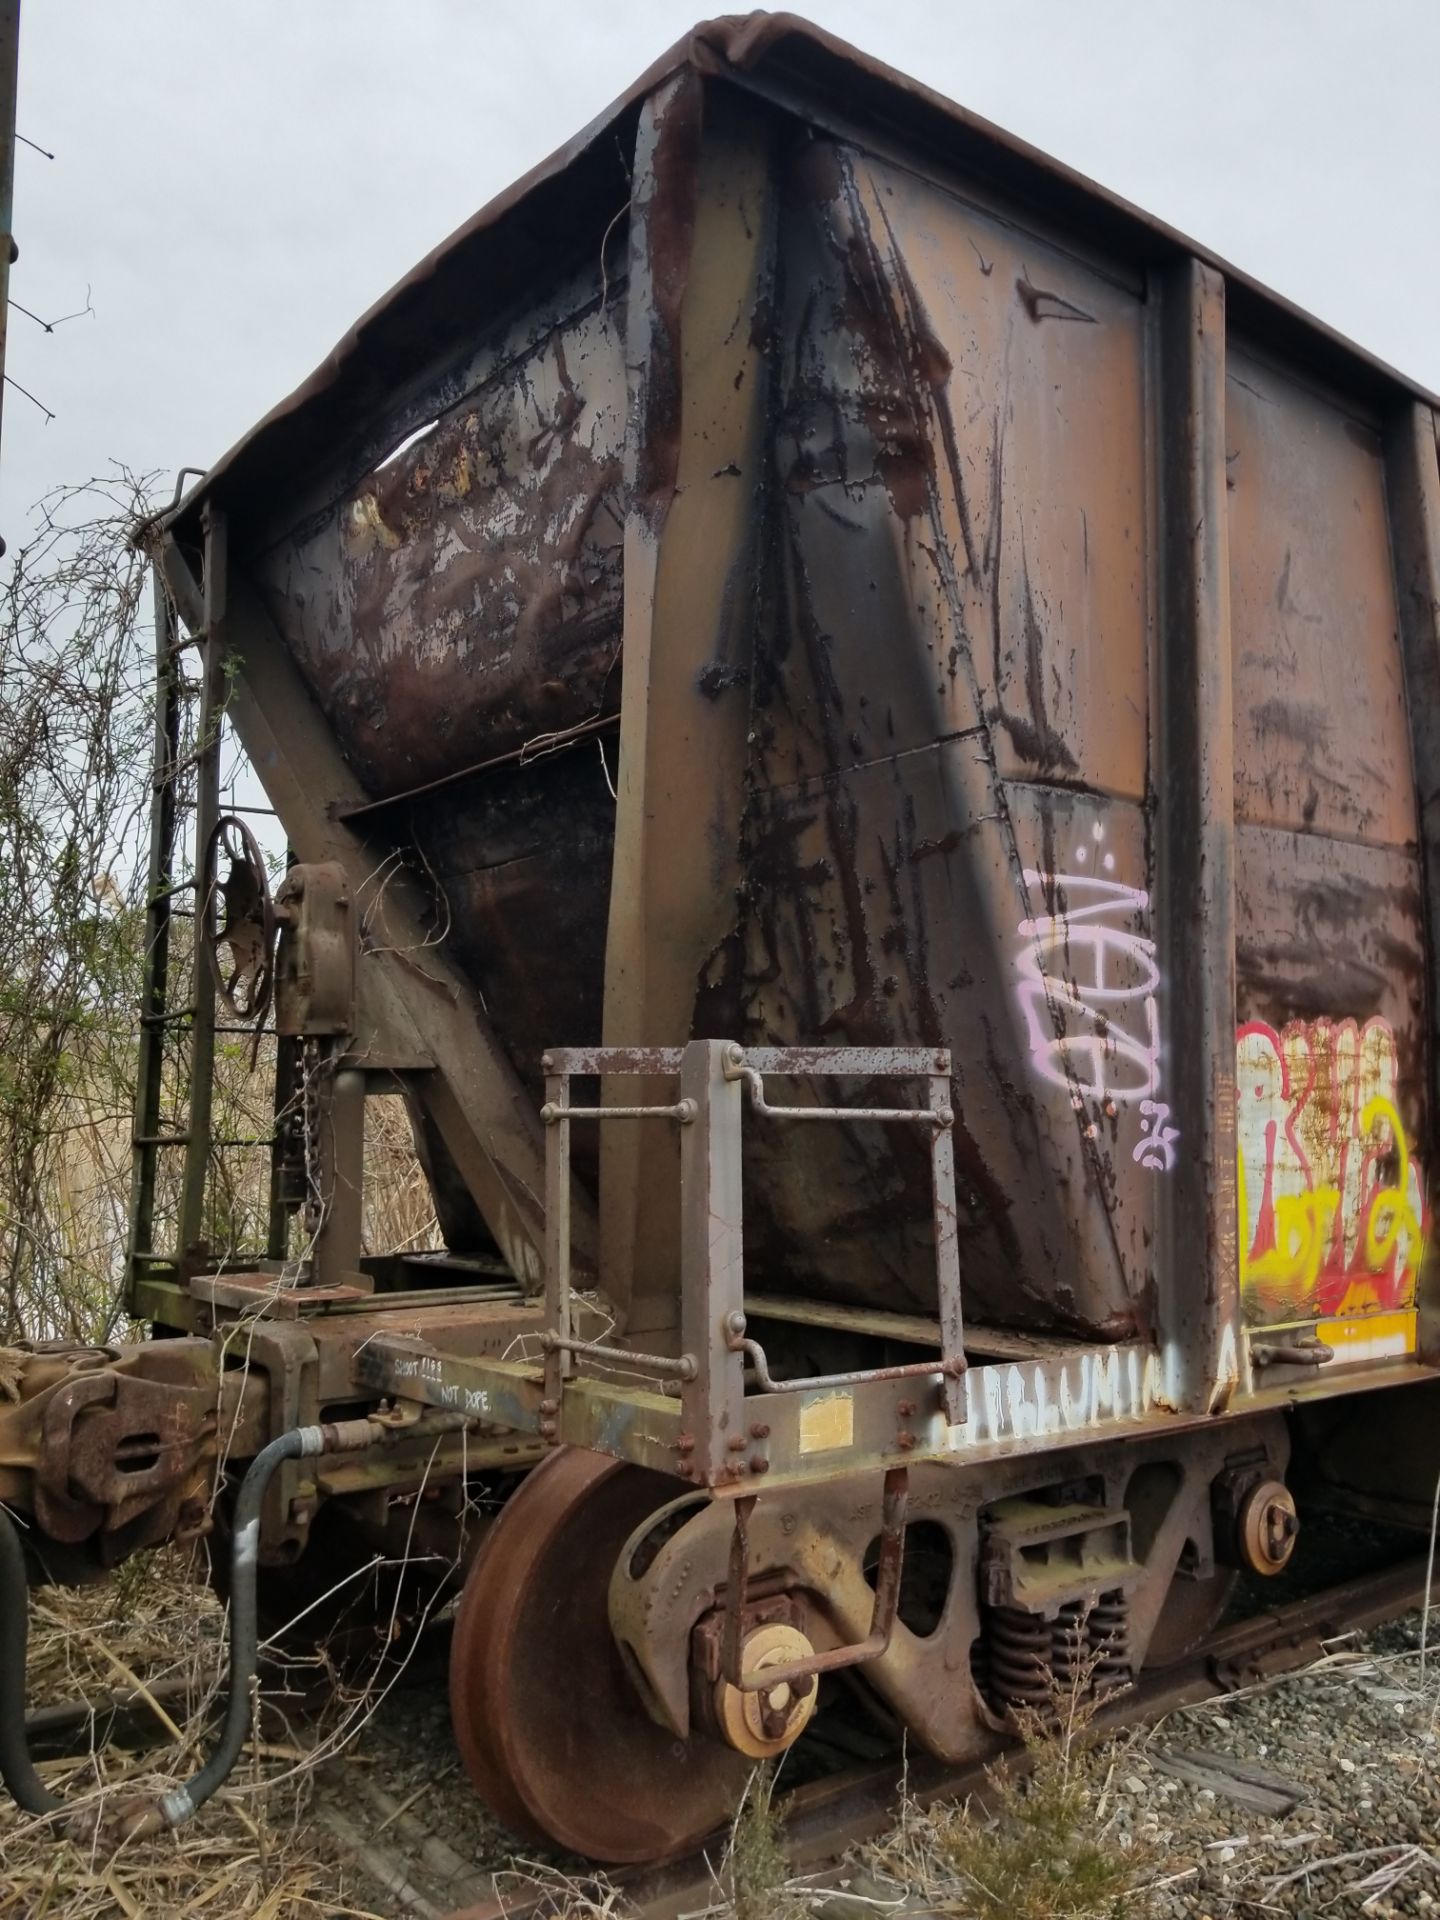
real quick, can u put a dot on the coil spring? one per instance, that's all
(1019, 1663)
(1110, 1643)
(1070, 1650)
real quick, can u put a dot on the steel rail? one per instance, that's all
(825, 1817)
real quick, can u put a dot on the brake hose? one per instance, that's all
(17, 1769)
(184, 1802)
(173, 1809)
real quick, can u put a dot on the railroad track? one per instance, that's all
(825, 1817)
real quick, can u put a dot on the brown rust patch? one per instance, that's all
(465, 599)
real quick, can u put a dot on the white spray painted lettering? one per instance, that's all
(1079, 1394)
(1088, 980)
(443, 1392)
(1155, 1149)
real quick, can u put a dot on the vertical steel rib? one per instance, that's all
(1197, 1257)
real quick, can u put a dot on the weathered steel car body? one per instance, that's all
(805, 610)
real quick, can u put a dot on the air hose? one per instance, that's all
(184, 1802)
(17, 1769)
(173, 1809)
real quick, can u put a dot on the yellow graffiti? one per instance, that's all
(1392, 1204)
(1304, 1223)
(1330, 1199)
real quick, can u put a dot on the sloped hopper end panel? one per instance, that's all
(461, 606)
(957, 622)
(463, 600)
(943, 839)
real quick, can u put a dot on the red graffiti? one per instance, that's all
(1331, 1202)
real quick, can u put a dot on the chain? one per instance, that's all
(314, 1071)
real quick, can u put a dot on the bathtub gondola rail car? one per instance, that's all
(895, 705)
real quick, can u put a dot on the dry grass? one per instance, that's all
(250, 1855)
(1041, 1842)
(1043, 1850)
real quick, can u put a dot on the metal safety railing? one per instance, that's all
(715, 1078)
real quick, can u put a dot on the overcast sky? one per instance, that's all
(235, 184)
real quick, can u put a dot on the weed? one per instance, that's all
(1042, 1840)
(1047, 1851)
(755, 1855)
(1040, 1855)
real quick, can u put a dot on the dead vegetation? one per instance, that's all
(1041, 1841)
(154, 1633)
(77, 692)
(76, 739)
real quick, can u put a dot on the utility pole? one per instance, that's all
(9, 252)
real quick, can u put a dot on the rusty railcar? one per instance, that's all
(858, 724)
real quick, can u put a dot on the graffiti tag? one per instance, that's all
(1082, 1392)
(1083, 975)
(1155, 1149)
(1331, 1200)
(1088, 980)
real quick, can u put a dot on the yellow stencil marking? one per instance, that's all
(827, 1422)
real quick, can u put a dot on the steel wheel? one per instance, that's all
(1192, 1609)
(552, 1731)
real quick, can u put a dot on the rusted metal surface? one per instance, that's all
(969, 638)
(909, 878)
(680, 1564)
(899, 1329)
(463, 601)
(755, 1355)
(713, 1076)
(640, 1425)
(701, 256)
(1319, 686)
(413, 993)
(862, 605)
(238, 919)
(564, 1748)
(889, 1568)
(160, 892)
(1333, 1045)
(803, 1436)
(1034, 1553)
(334, 1217)
(1412, 462)
(212, 638)
(110, 1448)
(1197, 1277)
(316, 952)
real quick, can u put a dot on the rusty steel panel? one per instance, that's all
(900, 912)
(464, 599)
(1413, 485)
(512, 848)
(1197, 1295)
(701, 250)
(961, 454)
(1332, 1041)
(1321, 738)
(973, 620)
(952, 639)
